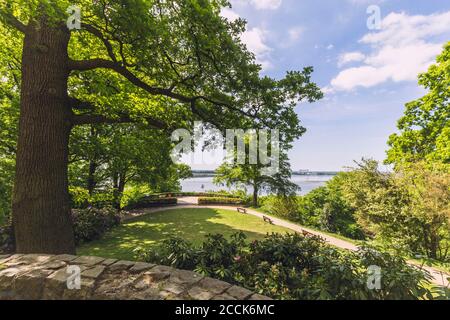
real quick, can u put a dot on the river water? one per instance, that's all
(305, 182)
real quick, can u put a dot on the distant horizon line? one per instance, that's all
(294, 172)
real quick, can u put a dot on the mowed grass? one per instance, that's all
(190, 224)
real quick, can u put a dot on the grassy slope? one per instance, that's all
(189, 224)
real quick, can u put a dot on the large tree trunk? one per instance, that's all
(41, 211)
(255, 195)
(91, 183)
(119, 187)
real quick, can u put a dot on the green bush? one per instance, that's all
(219, 201)
(150, 202)
(293, 267)
(81, 199)
(284, 207)
(91, 223)
(194, 194)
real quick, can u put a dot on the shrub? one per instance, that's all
(219, 200)
(150, 202)
(293, 267)
(81, 199)
(284, 207)
(91, 223)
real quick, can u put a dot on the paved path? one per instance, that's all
(438, 277)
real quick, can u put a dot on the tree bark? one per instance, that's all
(40, 209)
(255, 195)
(91, 183)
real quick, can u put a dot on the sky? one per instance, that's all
(367, 67)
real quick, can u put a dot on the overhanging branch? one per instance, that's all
(99, 119)
(84, 65)
(11, 20)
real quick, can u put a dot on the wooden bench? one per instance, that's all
(242, 210)
(267, 219)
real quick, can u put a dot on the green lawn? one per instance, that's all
(189, 224)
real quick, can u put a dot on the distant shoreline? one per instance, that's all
(206, 173)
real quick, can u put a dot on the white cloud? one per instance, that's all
(261, 4)
(366, 2)
(295, 33)
(255, 40)
(330, 46)
(229, 14)
(401, 50)
(266, 4)
(350, 57)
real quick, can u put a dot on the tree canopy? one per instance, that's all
(425, 126)
(161, 64)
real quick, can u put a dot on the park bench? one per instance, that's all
(267, 219)
(242, 210)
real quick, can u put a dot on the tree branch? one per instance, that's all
(99, 119)
(84, 65)
(80, 105)
(11, 20)
(94, 31)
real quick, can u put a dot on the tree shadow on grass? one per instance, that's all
(190, 224)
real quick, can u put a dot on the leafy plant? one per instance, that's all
(219, 200)
(91, 223)
(294, 267)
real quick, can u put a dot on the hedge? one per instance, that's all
(192, 194)
(151, 202)
(219, 200)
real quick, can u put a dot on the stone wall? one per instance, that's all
(46, 277)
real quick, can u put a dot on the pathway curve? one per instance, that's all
(438, 277)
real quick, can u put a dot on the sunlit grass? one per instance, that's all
(190, 224)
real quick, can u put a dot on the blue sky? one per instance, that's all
(367, 75)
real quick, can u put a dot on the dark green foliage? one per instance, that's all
(91, 223)
(151, 202)
(219, 200)
(81, 199)
(293, 267)
(196, 194)
(284, 207)
(6, 239)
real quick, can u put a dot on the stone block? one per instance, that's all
(87, 260)
(239, 293)
(213, 285)
(121, 266)
(198, 293)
